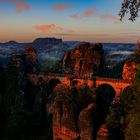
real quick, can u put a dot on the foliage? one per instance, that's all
(114, 117)
(128, 117)
(84, 97)
(133, 118)
(137, 57)
(21, 125)
(11, 84)
(117, 69)
(128, 99)
(131, 6)
(133, 127)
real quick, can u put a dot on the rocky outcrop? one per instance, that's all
(103, 133)
(85, 123)
(65, 115)
(69, 121)
(87, 59)
(69, 129)
(129, 70)
(93, 60)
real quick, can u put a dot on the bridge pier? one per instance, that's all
(118, 92)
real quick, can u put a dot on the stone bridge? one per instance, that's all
(117, 84)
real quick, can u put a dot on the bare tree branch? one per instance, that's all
(132, 7)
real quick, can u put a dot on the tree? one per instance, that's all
(130, 6)
(133, 116)
(11, 85)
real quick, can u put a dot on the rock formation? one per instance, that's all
(87, 59)
(103, 133)
(85, 123)
(129, 70)
(93, 60)
(69, 129)
(65, 115)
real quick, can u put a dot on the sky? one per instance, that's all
(71, 20)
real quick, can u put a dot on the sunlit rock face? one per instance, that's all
(84, 60)
(93, 60)
(129, 70)
(77, 57)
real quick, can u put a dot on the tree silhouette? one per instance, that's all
(130, 6)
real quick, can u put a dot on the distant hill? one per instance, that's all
(51, 51)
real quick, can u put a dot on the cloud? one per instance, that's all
(93, 12)
(22, 5)
(109, 17)
(89, 12)
(86, 13)
(52, 27)
(61, 6)
(44, 28)
(19, 4)
(75, 16)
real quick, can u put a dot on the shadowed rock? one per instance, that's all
(65, 115)
(103, 133)
(69, 129)
(85, 123)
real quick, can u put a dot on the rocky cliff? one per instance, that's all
(129, 70)
(86, 59)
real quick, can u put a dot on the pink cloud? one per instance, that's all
(44, 28)
(89, 12)
(86, 13)
(52, 27)
(19, 4)
(61, 7)
(93, 12)
(22, 5)
(109, 17)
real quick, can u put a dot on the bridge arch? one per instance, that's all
(127, 97)
(117, 84)
(52, 84)
(126, 89)
(105, 91)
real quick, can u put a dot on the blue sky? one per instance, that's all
(83, 20)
